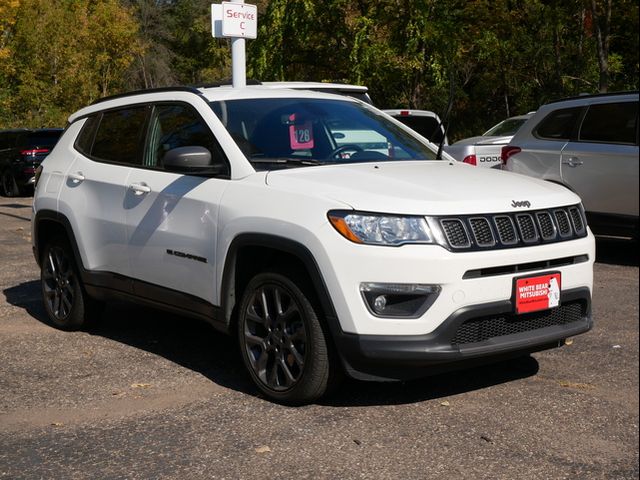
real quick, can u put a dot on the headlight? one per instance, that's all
(380, 229)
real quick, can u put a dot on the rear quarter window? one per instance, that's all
(84, 142)
(610, 123)
(559, 124)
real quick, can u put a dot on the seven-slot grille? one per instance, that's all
(504, 230)
(456, 233)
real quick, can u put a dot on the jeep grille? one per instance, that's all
(508, 230)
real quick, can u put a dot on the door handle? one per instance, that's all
(76, 178)
(139, 189)
(573, 162)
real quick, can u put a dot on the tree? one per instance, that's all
(152, 66)
(64, 54)
(602, 25)
(502, 57)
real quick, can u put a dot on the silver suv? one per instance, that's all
(590, 145)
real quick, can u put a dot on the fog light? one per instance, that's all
(380, 303)
(398, 300)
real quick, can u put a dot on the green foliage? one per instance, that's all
(504, 57)
(499, 57)
(63, 55)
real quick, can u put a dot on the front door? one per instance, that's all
(172, 218)
(601, 166)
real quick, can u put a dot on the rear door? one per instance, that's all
(542, 148)
(172, 218)
(95, 186)
(601, 164)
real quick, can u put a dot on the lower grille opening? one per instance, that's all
(484, 328)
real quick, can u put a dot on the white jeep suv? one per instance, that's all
(243, 208)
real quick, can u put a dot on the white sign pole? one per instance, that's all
(238, 60)
(237, 21)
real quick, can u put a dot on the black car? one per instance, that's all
(21, 151)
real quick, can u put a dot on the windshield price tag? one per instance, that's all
(537, 293)
(300, 135)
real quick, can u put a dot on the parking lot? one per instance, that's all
(144, 394)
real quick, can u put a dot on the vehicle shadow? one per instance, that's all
(187, 342)
(615, 251)
(362, 394)
(197, 346)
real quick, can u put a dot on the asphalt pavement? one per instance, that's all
(148, 395)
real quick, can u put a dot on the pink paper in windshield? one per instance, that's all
(300, 134)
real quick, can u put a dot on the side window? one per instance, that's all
(120, 135)
(610, 123)
(559, 124)
(84, 142)
(174, 126)
(20, 140)
(4, 141)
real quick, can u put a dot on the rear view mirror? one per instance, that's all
(194, 160)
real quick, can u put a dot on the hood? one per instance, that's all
(482, 140)
(422, 187)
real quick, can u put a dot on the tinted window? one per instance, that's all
(119, 136)
(174, 126)
(428, 127)
(43, 138)
(558, 125)
(12, 140)
(5, 141)
(85, 139)
(610, 123)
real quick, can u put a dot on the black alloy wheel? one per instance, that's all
(64, 299)
(283, 345)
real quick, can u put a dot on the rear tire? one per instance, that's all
(282, 342)
(64, 298)
(8, 184)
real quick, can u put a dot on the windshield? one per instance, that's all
(507, 127)
(297, 132)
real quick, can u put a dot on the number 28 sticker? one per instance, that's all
(300, 135)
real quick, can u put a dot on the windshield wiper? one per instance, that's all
(287, 160)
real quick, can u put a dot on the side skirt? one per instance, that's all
(107, 285)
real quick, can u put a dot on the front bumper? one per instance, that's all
(399, 357)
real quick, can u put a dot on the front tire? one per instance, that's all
(62, 292)
(282, 341)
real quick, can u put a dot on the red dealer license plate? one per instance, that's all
(537, 293)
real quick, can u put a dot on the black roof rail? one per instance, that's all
(189, 89)
(593, 95)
